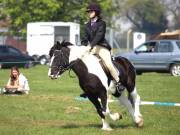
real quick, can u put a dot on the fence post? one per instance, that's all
(128, 38)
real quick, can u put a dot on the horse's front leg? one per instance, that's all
(100, 111)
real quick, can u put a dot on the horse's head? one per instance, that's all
(59, 62)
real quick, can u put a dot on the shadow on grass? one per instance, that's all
(72, 125)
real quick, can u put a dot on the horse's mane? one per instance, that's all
(58, 46)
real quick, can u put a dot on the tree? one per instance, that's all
(146, 15)
(173, 11)
(20, 12)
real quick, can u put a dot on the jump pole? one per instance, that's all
(160, 103)
(142, 102)
(155, 103)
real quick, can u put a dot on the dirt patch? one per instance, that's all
(52, 98)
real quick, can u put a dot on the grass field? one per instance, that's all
(51, 108)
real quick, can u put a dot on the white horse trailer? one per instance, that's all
(41, 36)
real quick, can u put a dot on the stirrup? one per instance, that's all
(119, 87)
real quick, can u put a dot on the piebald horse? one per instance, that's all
(95, 83)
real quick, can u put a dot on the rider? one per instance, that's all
(94, 36)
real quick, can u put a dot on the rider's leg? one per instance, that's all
(105, 55)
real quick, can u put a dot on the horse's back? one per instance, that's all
(126, 64)
(127, 71)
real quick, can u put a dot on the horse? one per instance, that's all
(93, 80)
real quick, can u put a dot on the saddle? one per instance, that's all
(119, 86)
(104, 67)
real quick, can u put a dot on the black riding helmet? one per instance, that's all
(94, 7)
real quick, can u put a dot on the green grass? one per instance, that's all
(51, 108)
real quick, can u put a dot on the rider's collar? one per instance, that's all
(93, 20)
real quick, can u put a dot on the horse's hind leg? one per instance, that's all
(95, 101)
(124, 101)
(136, 100)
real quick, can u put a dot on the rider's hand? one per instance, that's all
(88, 48)
(91, 49)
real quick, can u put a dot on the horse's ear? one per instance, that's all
(69, 43)
(58, 45)
(65, 44)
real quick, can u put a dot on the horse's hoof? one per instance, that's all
(140, 122)
(116, 116)
(107, 129)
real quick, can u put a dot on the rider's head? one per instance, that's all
(93, 10)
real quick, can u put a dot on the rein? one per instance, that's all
(69, 68)
(63, 69)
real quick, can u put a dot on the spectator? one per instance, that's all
(17, 83)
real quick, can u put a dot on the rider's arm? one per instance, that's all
(8, 85)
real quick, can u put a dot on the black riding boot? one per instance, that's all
(84, 95)
(119, 87)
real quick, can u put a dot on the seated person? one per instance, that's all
(17, 83)
(151, 49)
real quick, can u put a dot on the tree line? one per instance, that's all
(150, 16)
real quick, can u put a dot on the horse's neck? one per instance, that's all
(84, 60)
(77, 52)
(80, 69)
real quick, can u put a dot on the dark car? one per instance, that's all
(10, 56)
(156, 56)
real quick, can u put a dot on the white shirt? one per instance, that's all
(22, 82)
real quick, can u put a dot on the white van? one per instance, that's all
(41, 36)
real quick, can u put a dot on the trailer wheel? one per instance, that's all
(35, 57)
(43, 60)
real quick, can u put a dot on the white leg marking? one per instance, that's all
(113, 116)
(49, 71)
(106, 125)
(137, 114)
(136, 100)
(124, 101)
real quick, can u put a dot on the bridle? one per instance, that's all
(66, 66)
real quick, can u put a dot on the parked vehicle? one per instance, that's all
(10, 56)
(41, 36)
(156, 56)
